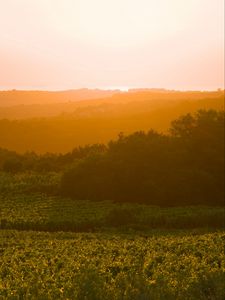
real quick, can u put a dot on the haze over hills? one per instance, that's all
(38, 104)
(28, 97)
(22, 97)
(59, 127)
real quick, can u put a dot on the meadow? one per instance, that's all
(28, 201)
(108, 266)
(59, 248)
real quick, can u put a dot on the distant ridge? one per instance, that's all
(15, 97)
(25, 97)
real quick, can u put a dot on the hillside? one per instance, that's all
(36, 104)
(96, 121)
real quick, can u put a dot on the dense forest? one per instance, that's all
(183, 167)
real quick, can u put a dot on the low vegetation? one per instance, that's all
(40, 212)
(89, 266)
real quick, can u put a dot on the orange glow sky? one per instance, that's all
(61, 44)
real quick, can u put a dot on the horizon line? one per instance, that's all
(110, 88)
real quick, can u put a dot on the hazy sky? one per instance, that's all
(60, 44)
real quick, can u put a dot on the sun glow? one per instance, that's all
(120, 23)
(165, 43)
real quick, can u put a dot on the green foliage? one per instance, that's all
(40, 212)
(12, 166)
(29, 183)
(123, 216)
(88, 266)
(13, 162)
(184, 168)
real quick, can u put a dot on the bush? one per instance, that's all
(12, 166)
(121, 217)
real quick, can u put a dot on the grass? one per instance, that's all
(50, 213)
(28, 201)
(58, 248)
(105, 266)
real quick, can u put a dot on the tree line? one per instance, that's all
(183, 167)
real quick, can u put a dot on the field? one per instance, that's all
(59, 248)
(45, 213)
(103, 266)
(25, 206)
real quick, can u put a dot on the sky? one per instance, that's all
(65, 44)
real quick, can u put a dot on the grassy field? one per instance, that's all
(59, 248)
(107, 266)
(25, 206)
(48, 213)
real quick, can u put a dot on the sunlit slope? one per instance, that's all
(101, 121)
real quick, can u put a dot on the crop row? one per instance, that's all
(51, 213)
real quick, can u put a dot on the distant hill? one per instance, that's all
(18, 97)
(28, 104)
(61, 127)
